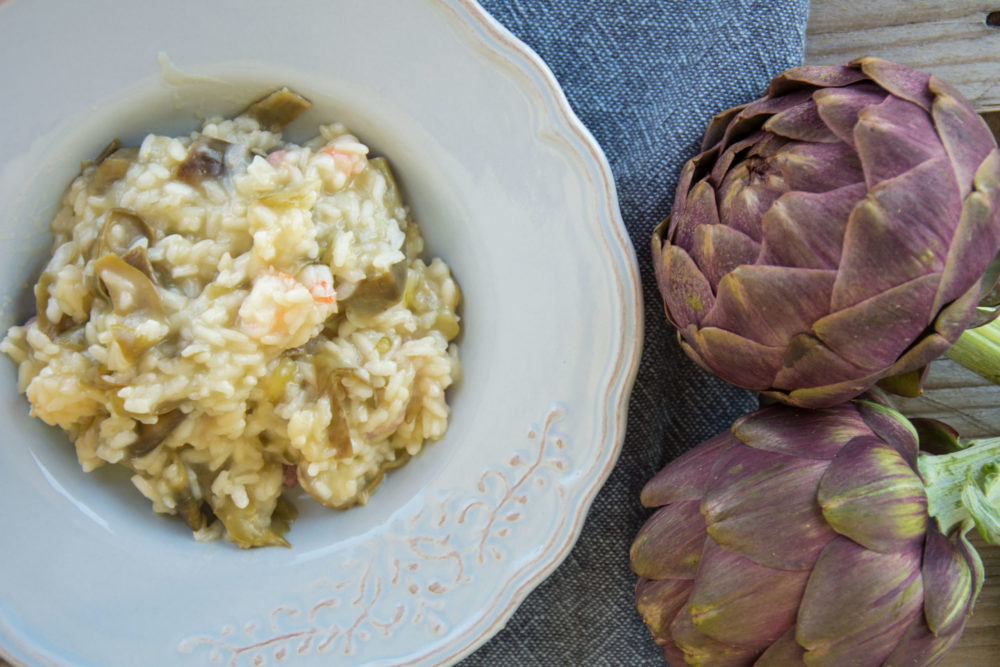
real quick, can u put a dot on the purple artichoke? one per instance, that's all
(803, 537)
(832, 233)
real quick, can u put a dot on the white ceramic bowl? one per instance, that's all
(508, 187)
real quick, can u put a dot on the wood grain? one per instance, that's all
(948, 38)
(951, 39)
(959, 397)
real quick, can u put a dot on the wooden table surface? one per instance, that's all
(952, 39)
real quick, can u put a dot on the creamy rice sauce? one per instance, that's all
(229, 315)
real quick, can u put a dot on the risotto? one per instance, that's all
(229, 315)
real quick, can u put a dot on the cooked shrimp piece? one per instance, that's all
(275, 158)
(283, 311)
(319, 280)
(349, 154)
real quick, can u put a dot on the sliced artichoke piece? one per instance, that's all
(191, 511)
(378, 291)
(135, 299)
(128, 345)
(149, 436)
(112, 164)
(255, 525)
(73, 337)
(138, 258)
(283, 516)
(42, 296)
(380, 288)
(319, 485)
(206, 158)
(184, 486)
(296, 195)
(277, 109)
(276, 380)
(129, 289)
(391, 198)
(122, 230)
(107, 151)
(339, 433)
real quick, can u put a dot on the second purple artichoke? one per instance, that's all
(805, 537)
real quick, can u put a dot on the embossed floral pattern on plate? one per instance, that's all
(400, 576)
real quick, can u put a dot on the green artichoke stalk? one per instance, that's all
(832, 233)
(815, 537)
(978, 350)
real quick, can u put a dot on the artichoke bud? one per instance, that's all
(833, 233)
(819, 537)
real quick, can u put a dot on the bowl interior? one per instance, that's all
(106, 497)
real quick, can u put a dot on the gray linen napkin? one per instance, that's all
(644, 76)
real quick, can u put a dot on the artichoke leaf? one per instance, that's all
(743, 603)
(920, 646)
(109, 149)
(909, 384)
(110, 165)
(659, 601)
(688, 475)
(670, 543)
(138, 258)
(873, 495)
(338, 432)
(755, 492)
(936, 437)
(877, 596)
(701, 650)
(891, 426)
(785, 652)
(136, 301)
(947, 584)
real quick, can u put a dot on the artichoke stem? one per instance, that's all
(979, 350)
(963, 488)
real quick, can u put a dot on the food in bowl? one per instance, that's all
(229, 315)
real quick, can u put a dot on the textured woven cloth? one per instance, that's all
(645, 77)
